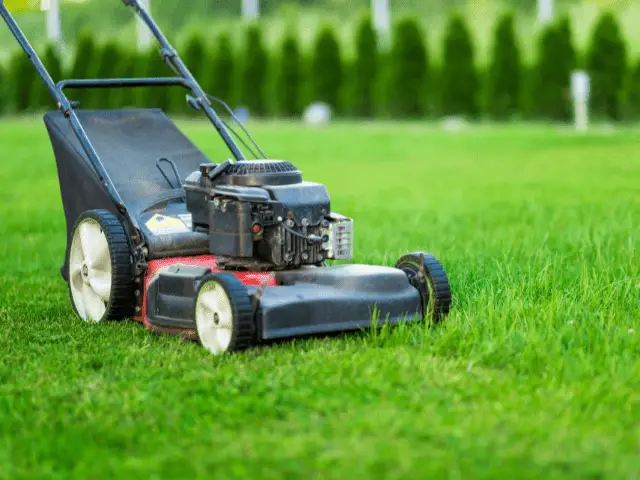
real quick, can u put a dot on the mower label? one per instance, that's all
(187, 219)
(163, 225)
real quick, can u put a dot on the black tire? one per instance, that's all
(238, 313)
(120, 301)
(433, 284)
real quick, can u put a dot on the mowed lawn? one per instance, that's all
(535, 374)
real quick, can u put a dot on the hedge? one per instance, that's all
(402, 81)
(254, 71)
(550, 93)
(505, 71)
(633, 110)
(84, 58)
(459, 82)
(408, 70)
(327, 68)
(222, 71)
(289, 81)
(41, 97)
(607, 65)
(366, 68)
(195, 55)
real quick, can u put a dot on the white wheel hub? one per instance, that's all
(90, 271)
(214, 318)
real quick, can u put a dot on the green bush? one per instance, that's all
(327, 68)
(4, 99)
(153, 65)
(85, 56)
(505, 71)
(550, 86)
(634, 93)
(288, 86)
(128, 66)
(254, 72)
(107, 57)
(607, 65)
(195, 57)
(365, 68)
(41, 98)
(408, 70)
(459, 94)
(220, 81)
(24, 77)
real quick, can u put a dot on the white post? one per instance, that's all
(54, 28)
(381, 18)
(144, 34)
(250, 9)
(545, 11)
(580, 89)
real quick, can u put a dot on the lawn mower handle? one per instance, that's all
(176, 64)
(64, 105)
(184, 78)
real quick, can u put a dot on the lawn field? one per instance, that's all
(535, 374)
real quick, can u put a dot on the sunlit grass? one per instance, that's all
(534, 374)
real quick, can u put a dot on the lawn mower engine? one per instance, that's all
(261, 216)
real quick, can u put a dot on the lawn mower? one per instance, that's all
(230, 254)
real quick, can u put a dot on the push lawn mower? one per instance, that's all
(227, 254)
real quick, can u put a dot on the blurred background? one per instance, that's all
(478, 60)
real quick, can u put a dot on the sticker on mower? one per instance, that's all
(163, 225)
(187, 219)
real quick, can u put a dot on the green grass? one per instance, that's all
(534, 375)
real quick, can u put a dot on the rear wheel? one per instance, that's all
(427, 275)
(100, 268)
(224, 314)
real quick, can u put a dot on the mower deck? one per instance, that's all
(285, 304)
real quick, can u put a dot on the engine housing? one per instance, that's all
(261, 215)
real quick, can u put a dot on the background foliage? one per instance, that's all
(356, 71)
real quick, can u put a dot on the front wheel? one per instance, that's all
(100, 268)
(224, 314)
(427, 275)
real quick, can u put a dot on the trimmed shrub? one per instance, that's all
(195, 57)
(556, 58)
(254, 72)
(23, 78)
(85, 56)
(41, 98)
(505, 71)
(288, 86)
(327, 68)
(220, 80)
(4, 97)
(607, 65)
(107, 58)
(460, 84)
(633, 101)
(126, 67)
(366, 68)
(408, 70)
(153, 65)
